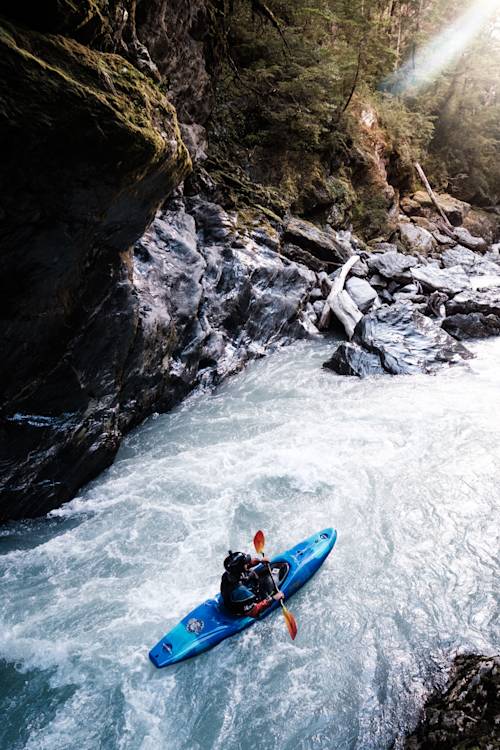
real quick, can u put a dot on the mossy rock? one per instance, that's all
(370, 215)
(234, 189)
(91, 147)
(93, 106)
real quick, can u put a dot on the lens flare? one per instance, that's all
(443, 49)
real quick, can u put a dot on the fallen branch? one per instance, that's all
(433, 198)
(340, 303)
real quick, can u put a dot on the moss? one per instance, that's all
(235, 189)
(370, 215)
(50, 84)
(252, 218)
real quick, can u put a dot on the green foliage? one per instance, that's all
(295, 72)
(408, 130)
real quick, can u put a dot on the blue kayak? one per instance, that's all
(210, 623)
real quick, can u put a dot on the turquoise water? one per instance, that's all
(408, 471)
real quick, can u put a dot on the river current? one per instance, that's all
(407, 469)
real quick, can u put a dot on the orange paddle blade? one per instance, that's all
(259, 541)
(290, 622)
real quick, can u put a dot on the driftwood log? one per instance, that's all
(430, 192)
(340, 303)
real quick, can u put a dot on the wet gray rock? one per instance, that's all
(378, 281)
(467, 713)
(316, 294)
(416, 239)
(409, 297)
(323, 245)
(473, 263)
(493, 255)
(458, 255)
(392, 265)
(195, 301)
(486, 302)
(472, 326)
(436, 304)
(318, 306)
(352, 359)
(360, 269)
(363, 294)
(406, 341)
(443, 239)
(464, 237)
(386, 297)
(449, 280)
(298, 255)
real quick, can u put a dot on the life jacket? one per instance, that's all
(237, 597)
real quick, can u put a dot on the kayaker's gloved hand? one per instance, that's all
(278, 595)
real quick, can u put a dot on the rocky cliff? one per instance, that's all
(91, 147)
(100, 327)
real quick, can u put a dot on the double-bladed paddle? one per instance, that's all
(259, 542)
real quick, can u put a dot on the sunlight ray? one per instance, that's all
(443, 49)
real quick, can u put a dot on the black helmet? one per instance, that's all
(235, 562)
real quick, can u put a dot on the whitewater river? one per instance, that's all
(408, 471)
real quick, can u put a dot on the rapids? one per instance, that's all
(406, 468)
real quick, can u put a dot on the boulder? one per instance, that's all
(482, 270)
(378, 281)
(386, 297)
(406, 341)
(422, 199)
(423, 223)
(436, 305)
(455, 210)
(392, 265)
(493, 255)
(464, 237)
(482, 223)
(360, 269)
(473, 325)
(410, 297)
(470, 301)
(352, 359)
(467, 714)
(410, 207)
(458, 255)
(416, 239)
(298, 255)
(450, 280)
(363, 294)
(485, 281)
(443, 239)
(323, 245)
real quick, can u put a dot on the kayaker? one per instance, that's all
(244, 590)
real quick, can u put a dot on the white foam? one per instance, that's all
(405, 468)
